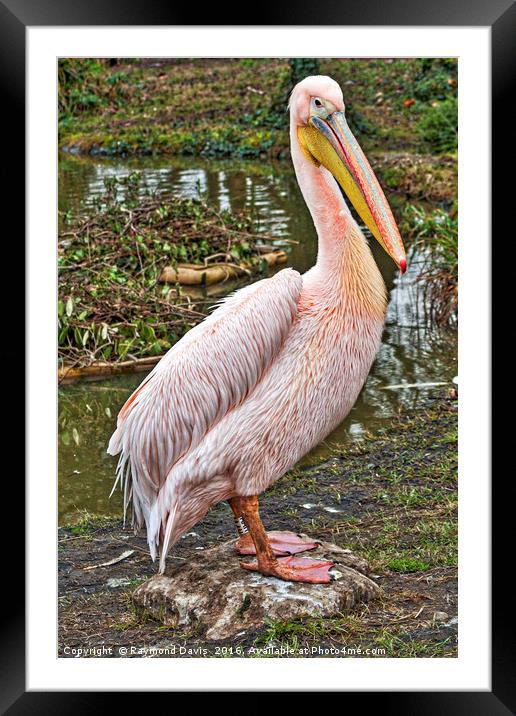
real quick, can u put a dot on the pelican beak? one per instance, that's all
(330, 142)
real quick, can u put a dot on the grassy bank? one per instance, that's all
(393, 501)
(236, 107)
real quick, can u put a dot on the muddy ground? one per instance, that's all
(391, 499)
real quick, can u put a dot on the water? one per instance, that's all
(411, 352)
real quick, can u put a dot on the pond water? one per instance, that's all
(411, 352)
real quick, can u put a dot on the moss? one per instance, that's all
(87, 523)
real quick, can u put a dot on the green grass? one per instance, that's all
(436, 232)
(348, 635)
(405, 648)
(438, 128)
(88, 523)
(407, 564)
(236, 107)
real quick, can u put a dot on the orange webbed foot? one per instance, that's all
(282, 544)
(294, 569)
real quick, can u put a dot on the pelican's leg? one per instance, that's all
(234, 503)
(282, 543)
(291, 569)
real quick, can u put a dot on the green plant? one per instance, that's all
(436, 80)
(298, 69)
(78, 85)
(111, 305)
(407, 564)
(301, 67)
(437, 232)
(438, 128)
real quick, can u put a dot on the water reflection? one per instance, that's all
(411, 352)
(269, 191)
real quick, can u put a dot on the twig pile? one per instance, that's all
(111, 306)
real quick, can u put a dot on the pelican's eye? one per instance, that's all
(321, 107)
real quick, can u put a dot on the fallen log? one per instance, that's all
(69, 374)
(195, 275)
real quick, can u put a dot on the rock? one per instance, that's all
(440, 617)
(116, 582)
(212, 594)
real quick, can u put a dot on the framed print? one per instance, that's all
(250, 244)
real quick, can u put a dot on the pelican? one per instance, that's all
(274, 369)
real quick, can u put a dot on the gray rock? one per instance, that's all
(440, 617)
(213, 594)
(116, 582)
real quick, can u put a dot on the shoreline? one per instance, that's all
(188, 108)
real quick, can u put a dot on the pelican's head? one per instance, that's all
(317, 110)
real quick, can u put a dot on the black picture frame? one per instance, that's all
(15, 17)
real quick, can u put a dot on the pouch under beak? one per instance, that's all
(331, 143)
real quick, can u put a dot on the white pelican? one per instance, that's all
(274, 369)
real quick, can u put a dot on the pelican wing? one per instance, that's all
(206, 374)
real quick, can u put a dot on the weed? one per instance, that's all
(436, 231)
